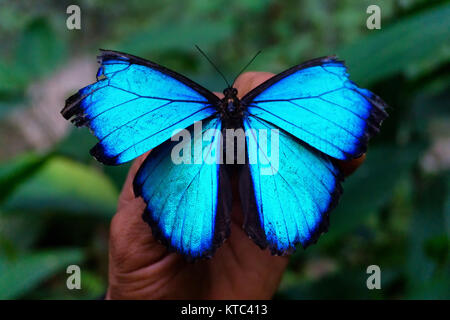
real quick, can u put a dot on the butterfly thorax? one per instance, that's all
(231, 105)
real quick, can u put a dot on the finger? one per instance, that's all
(250, 80)
(127, 193)
(348, 167)
(131, 242)
(219, 95)
(129, 233)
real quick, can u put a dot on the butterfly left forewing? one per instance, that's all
(135, 105)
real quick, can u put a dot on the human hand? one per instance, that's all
(142, 268)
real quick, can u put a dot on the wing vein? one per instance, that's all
(327, 142)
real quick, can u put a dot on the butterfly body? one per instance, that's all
(310, 114)
(231, 107)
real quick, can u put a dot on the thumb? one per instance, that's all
(129, 233)
(127, 194)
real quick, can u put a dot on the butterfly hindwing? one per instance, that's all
(187, 202)
(287, 188)
(317, 103)
(135, 105)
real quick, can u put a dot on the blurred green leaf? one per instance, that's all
(437, 248)
(12, 78)
(23, 274)
(178, 35)
(66, 186)
(18, 170)
(92, 287)
(428, 106)
(37, 52)
(435, 289)
(371, 186)
(76, 145)
(9, 102)
(348, 284)
(20, 230)
(428, 263)
(392, 49)
(447, 206)
(40, 49)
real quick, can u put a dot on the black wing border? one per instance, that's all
(222, 223)
(246, 100)
(252, 223)
(111, 54)
(374, 121)
(71, 106)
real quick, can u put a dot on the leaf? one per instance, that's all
(16, 171)
(20, 230)
(13, 78)
(346, 284)
(177, 35)
(75, 145)
(392, 49)
(371, 186)
(431, 106)
(436, 289)
(93, 287)
(25, 273)
(67, 187)
(40, 49)
(428, 262)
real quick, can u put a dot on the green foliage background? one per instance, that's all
(55, 206)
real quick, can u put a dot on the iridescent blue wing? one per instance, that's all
(317, 103)
(319, 114)
(187, 202)
(136, 105)
(287, 188)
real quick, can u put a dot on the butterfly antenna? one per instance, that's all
(246, 66)
(212, 63)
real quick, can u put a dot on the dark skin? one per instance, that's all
(142, 268)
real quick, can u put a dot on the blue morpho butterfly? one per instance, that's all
(318, 115)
